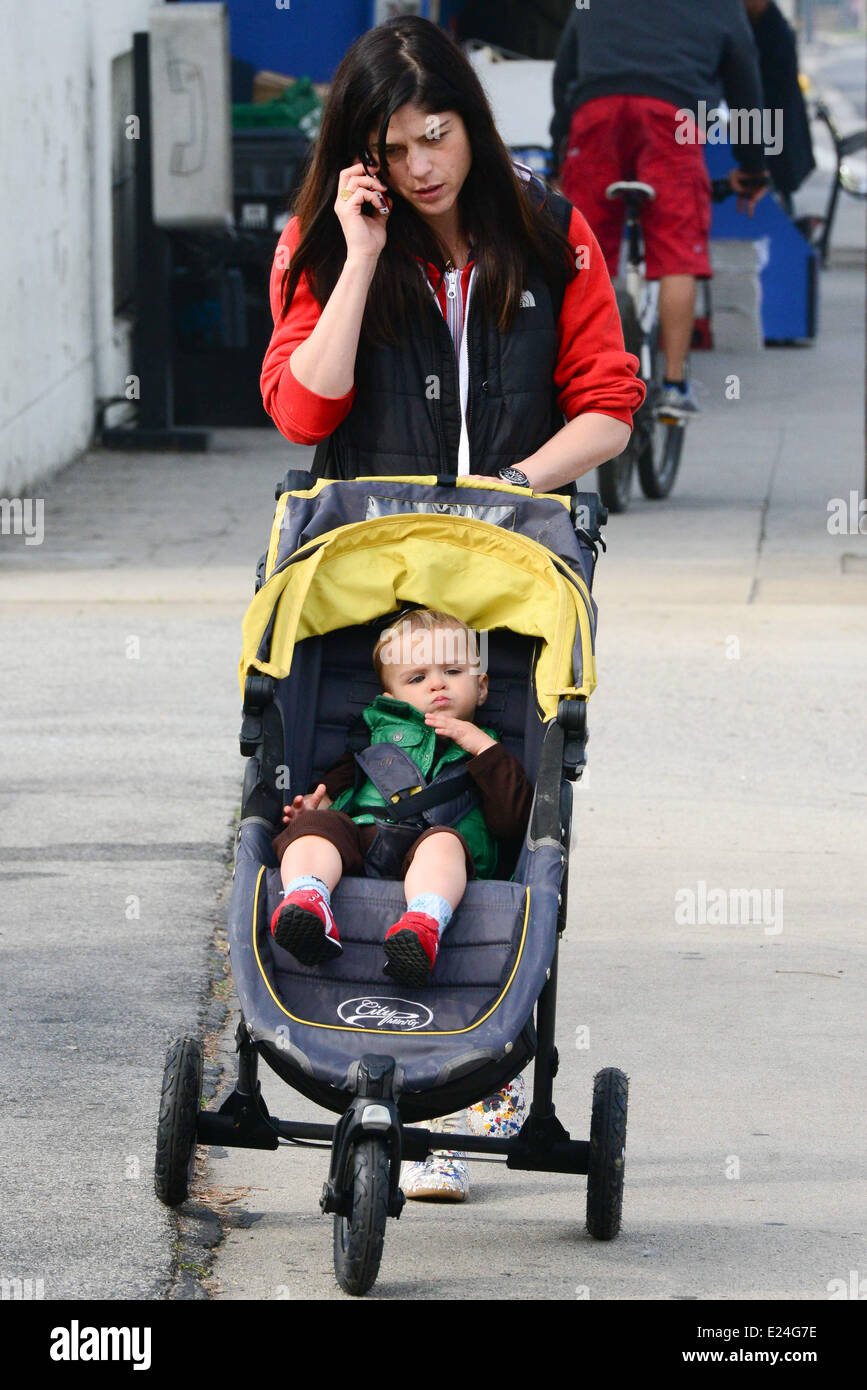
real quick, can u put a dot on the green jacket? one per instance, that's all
(397, 721)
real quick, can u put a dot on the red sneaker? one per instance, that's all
(304, 925)
(411, 946)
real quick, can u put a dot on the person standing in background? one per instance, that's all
(778, 61)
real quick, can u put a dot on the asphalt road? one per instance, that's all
(120, 780)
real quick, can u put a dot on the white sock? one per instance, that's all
(434, 906)
(308, 881)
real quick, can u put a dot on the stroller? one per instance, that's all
(517, 567)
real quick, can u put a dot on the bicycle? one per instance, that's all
(817, 230)
(656, 444)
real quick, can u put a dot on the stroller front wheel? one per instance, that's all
(607, 1153)
(358, 1237)
(176, 1127)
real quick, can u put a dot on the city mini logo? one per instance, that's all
(720, 907)
(77, 1343)
(739, 125)
(23, 516)
(368, 1011)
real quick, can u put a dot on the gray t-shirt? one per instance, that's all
(680, 51)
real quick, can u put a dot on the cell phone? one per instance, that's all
(367, 209)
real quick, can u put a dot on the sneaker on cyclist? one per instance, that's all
(676, 398)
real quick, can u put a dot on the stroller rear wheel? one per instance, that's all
(176, 1127)
(358, 1236)
(607, 1153)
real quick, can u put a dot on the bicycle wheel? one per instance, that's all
(658, 443)
(615, 476)
(659, 453)
(358, 1237)
(615, 480)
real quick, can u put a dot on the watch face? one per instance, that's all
(514, 475)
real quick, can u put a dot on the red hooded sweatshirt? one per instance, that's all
(593, 370)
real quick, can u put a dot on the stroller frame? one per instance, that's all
(372, 1120)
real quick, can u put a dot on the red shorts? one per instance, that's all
(633, 137)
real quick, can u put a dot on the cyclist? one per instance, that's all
(622, 91)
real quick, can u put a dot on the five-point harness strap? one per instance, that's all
(401, 784)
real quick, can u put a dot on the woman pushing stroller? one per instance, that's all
(438, 311)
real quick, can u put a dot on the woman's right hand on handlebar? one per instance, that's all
(365, 236)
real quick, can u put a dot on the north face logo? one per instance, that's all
(528, 300)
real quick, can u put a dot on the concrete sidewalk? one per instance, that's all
(728, 750)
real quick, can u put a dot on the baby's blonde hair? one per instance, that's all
(398, 639)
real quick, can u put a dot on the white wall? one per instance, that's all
(60, 347)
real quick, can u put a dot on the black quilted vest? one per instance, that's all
(406, 415)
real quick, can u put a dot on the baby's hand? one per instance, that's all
(465, 734)
(306, 803)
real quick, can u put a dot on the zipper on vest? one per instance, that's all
(469, 388)
(449, 365)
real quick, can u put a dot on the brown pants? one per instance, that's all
(353, 841)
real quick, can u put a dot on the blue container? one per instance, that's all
(306, 38)
(789, 272)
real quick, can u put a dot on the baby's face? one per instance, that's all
(456, 689)
(433, 682)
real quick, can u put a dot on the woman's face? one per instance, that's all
(429, 157)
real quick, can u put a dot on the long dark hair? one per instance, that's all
(410, 59)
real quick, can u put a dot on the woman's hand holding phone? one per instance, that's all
(365, 233)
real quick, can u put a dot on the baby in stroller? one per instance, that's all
(467, 802)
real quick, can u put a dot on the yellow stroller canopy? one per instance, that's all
(487, 576)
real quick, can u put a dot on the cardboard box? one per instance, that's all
(268, 85)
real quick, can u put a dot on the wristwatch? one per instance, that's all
(515, 476)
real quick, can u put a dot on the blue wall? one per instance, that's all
(308, 39)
